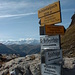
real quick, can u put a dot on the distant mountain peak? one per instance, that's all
(73, 20)
(30, 39)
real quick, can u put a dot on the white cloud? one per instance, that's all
(29, 39)
(15, 7)
(21, 39)
(23, 6)
(16, 15)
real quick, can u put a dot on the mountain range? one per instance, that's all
(32, 46)
(22, 47)
(26, 41)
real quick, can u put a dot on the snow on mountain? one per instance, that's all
(23, 41)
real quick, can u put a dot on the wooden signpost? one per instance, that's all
(51, 52)
(54, 30)
(50, 14)
(48, 10)
(51, 19)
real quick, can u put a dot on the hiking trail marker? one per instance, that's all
(51, 52)
(50, 14)
(53, 56)
(54, 30)
(48, 10)
(50, 42)
(50, 69)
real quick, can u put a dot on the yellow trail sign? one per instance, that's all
(51, 19)
(54, 30)
(50, 9)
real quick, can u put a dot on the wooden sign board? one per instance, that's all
(53, 56)
(54, 30)
(50, 42)
(51, 19)
(50, 9)
(50, 69)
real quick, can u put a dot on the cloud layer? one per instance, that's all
(16, 15)
(18, 8)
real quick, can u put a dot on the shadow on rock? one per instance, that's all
(68, 71)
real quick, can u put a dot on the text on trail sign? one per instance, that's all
(50, 9)
(50, 42)
(51, 19)
(50, 69)
(54, 30)
(53, 56)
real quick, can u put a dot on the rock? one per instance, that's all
(35, 69)
(30, 57)
(31, 65)
(68, 63)
(5, 72)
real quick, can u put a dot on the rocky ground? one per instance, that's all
(26, 65)
(30, 65)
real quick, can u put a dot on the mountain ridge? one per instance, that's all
(26, 41)
(22, 50)
(68, 40)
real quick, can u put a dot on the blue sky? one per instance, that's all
(19, 18)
